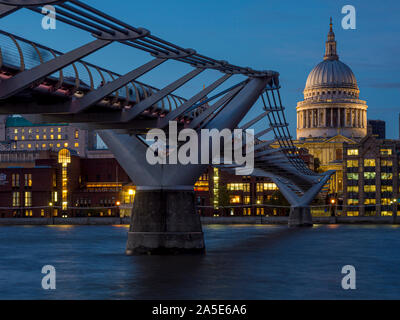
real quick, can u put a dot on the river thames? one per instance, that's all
(242, 262)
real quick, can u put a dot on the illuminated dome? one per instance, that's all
(331, 103)
(331, 74)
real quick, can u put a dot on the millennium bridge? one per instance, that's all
(46, 85)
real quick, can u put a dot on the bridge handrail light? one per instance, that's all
(333, 201)
(118, 203)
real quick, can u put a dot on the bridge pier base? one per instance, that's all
(165, 222)
(300, 217)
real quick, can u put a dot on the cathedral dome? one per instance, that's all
(331, 104)
(331, 74)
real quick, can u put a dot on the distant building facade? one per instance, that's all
(378, 128)
(18, 134)
(371, 177)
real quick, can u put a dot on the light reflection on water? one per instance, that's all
(242, 262)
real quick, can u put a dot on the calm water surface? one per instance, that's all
(242, 262)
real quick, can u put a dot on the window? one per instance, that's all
(386, 163)
(270, 186)
(246, 211)
(246, 200)
(386, 188)
(246, 187)
(386, 176)
(371, 188)
(234, 199)
(28, 199)
(260, 199)
(370, 201)
(260, 211)
(369, 175)
(352, 163)
(386, 152)
(386, 201)
(352, 189)
(352, 213)
(15, 180)
(352, 152)
(369, 163)
(52, 136)
(59, 129)
(59, 137)
(352, 201)
(76, 134)
(352, 176)
(76, 145)
(28, 180)
(16, 138)
(260, 187)
(15, 199)
(44, 137)
(66, 145)
(386, 213)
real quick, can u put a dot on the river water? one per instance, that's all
(242, 262)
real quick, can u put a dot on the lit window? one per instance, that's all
(76, 134)
(15, 130)
(352, 176)
(369, 175)
(369, 163)
(52, 136)
(246, 199)
(369, 188)
(59, 129)
(386, 213)
(386, 152)
(352, 201)
(16, 199)
(386, 188)
(352, 152)
(260, 187)
(37, 137)
(352, 213)
(234, 199)
(386, 201)
(28, 180)
(16, 138)
(386, 176)
(260, 211)
(386, 163)
(66, 145)
(23, 138)
(29, 146)
(352, 163)
(44, 137)
(59, 137)
(270, 186)
(370, 201)
(28, 199)
(352, 189)
(44, 146)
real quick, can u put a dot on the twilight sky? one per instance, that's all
(278, 35)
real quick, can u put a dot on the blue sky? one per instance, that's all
(286, 36)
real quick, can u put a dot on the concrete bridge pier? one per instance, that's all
(300, 217)
(165, 222)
